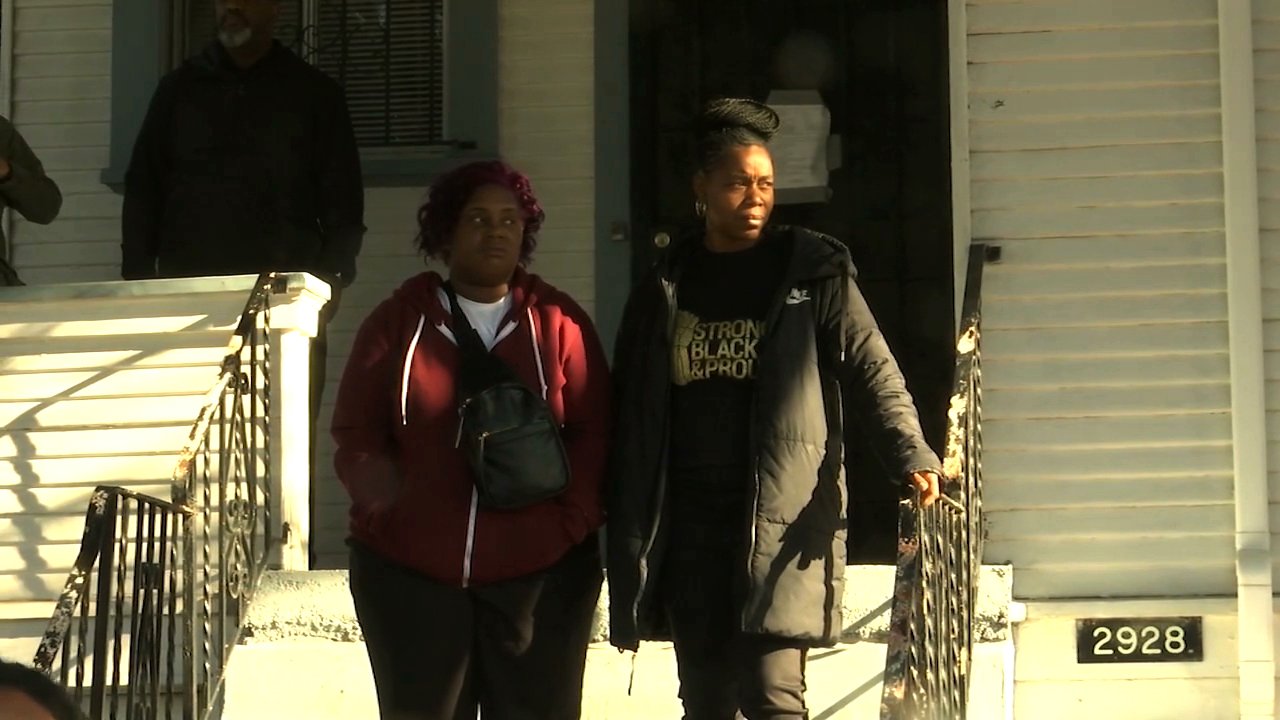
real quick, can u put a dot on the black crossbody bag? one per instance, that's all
(507, 432)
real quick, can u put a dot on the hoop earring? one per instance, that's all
(700, 208)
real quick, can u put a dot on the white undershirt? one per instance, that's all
(486, 318)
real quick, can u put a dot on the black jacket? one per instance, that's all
(27, 189)
(240, 171)
(818, 330)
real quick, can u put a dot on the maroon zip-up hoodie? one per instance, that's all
(396, 426)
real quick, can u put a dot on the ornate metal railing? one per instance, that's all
(931, 625)
(150, 612)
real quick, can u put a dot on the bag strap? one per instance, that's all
(468, 339)
(480, 369)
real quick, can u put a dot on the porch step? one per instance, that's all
(301, 628)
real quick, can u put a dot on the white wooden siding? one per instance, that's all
(1096, 164)
(94, 391)
(1266, 43)
(99, 385)
(61, 105)
(61, 100)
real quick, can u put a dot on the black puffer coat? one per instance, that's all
(818, 329)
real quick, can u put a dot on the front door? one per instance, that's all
(880, 69)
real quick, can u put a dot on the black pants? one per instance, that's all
(516, 649)
(722, 671)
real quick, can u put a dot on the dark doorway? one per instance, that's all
(880, 67)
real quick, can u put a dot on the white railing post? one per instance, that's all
(295, 317)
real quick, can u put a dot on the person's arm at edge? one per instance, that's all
(23, 182)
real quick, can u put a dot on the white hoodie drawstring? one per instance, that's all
(408, 365)
(537, 352)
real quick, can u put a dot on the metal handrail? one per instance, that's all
(931, 624)
(173, 577)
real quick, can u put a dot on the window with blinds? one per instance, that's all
(387, 54)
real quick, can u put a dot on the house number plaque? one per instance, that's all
(1139, 640)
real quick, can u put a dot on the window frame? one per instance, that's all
(143, 45)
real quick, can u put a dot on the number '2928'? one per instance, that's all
(1146, 640)
(1139, 640)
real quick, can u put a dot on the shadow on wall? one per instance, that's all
(82, 406)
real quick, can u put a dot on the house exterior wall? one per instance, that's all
(1096, 165)
(61, 89)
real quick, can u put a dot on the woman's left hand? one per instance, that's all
(929, 486)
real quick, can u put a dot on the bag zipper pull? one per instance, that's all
(631, 682)
(457, 442)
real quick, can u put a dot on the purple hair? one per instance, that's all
(450, 193)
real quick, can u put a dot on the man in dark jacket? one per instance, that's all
(23, 187)
(246, 162)
(818, 330)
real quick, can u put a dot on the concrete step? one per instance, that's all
(304, 655)
(843, 682)
(333, 681)
(302, 628)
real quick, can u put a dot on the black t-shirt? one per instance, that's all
(721, 306)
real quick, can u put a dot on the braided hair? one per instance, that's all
(732, 122)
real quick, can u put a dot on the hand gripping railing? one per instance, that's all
(152, 608)
(931, 625)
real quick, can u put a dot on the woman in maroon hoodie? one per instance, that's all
(462, 606)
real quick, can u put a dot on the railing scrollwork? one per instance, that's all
(148, 616)
(931, 624)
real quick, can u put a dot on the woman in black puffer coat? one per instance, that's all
(727, 494)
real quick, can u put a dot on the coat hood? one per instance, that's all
(420, 294)
(814, 256)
